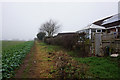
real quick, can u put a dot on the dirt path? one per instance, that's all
(45, 62)
(37, 64)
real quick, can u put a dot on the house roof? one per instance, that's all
(104, 23)
(116, 23)
(71, 33)
(66, 33)
(93, 26)
(112, 19)
(99, 22)
(109, 21)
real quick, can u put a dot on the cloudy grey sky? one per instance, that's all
(21, 20)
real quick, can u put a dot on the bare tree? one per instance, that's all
(50, 28)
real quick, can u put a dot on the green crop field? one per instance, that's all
(8, 44)
(12, 54)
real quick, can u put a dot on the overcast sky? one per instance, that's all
(22, 20)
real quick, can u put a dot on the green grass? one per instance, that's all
(50, 48)
(99, 67)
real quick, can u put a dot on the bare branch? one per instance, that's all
(51, 27)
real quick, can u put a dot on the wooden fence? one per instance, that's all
(106, 43)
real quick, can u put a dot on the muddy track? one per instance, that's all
(35, 65)
(40, 63)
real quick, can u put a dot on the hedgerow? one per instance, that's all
(74, 41)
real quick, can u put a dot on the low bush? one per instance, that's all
(41, 35)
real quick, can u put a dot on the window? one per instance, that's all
(98, 30)
(103, 30)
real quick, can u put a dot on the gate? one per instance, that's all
(97, 43)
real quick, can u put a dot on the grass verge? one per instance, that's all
(99, 67)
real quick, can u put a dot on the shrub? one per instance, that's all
(71, 41)
(41, 35)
